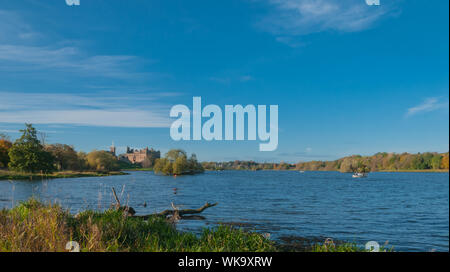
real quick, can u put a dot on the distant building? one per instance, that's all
(112, 150)
(139, 156)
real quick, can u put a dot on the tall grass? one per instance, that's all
(33, 226)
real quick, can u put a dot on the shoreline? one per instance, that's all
(416, 171)
(380, 171)
(10, 175)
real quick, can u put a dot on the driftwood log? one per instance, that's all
(181, 214)
(173, 215)
(128, 211)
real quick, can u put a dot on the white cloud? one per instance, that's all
(68, 59)
(14, 29)
(24, 49)
(290, 41)
(106, 118)
(88, 110)
(429, 104)
(302, 17)
(231, 78)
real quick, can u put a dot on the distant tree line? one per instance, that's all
(176, 162)
(29, 154)
(382, 161)
(247, 165)
(379, 162)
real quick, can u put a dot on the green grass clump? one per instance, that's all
(345, 247)
(34, 227)
(330, 246)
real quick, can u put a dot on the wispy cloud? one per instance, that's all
(23, 48)
(230, 79)
(429, 104)
(301, 17)
(14, 29)
(291, 41)
(89, 110)
(69, 59)
(246, 78)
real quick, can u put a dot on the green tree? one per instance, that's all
(173, 154)
(66, 157)
(176, 162)
(28, 155)
(82, 161)
(168, 168)
(159, 165)
(5, 146)
(180, 165)
(102, 161)
(418, 163)
(436, 161)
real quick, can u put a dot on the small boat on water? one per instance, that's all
(301, 171)
(359, 175)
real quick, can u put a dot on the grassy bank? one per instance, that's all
(417, 171)
(35, 227)
(10, 175)
(136, 169)
(321, 170)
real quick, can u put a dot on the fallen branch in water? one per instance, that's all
(188, 211)
(181, 214)
(173, 214)
(128, 211)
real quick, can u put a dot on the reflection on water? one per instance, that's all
(410, 210)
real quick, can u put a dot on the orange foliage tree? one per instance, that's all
(5, 145)
(444, 161)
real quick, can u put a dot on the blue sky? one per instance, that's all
(348, 78)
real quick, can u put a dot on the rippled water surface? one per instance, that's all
(410, 210)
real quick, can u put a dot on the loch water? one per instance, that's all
(408, 210)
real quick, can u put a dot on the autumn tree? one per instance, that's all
(444, 161)
(5, 146)
(102, 161)
(66, 157)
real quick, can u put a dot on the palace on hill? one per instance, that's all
(136, 155)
